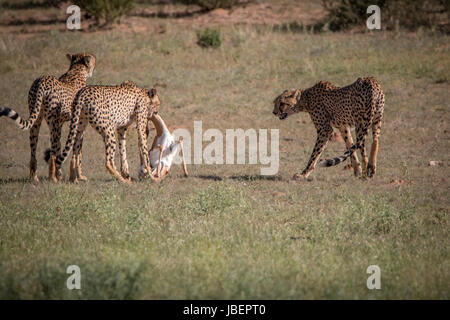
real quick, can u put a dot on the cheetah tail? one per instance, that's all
(72, 133)
(24, 124)
(47, 154)
(337, 160)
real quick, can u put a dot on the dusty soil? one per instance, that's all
(157, 18)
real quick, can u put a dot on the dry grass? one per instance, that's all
(237, 236)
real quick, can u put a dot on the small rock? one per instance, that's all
(435, 163)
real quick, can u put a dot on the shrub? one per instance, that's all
(342, 14)
(209, 38)
(411, 14)
(106, 12)
(415, 14)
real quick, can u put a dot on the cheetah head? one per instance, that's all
(155, 102)
(285, 103)
(85, 59)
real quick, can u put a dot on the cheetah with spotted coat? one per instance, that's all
(109, 109)
(51, 99)
(359, 105)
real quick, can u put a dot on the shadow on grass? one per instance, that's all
(209, 177)
(254, 177)
(14, 180)
(168, 15)
(212, 177)
(245, 177)
(32, 22)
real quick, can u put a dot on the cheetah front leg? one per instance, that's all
(323, 136)
(142, 144)
(124, 170)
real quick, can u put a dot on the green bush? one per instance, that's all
(342, 14)
(411, 14)
(106, 12)
(415, 14)
(209, 38)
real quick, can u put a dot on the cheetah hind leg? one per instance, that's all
(79, 173)
(54, 173)
(75, 164)
(52, 169)
(372, 166)
(346, 134)
(34, 136)
(55, 135)
(110, 150)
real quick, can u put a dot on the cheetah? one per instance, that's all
(359, 105)
(108, 109)
(51, 99)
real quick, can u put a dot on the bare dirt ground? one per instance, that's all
(156, 18)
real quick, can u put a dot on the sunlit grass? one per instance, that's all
(234, 237)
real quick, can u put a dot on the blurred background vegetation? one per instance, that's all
(340, 14)
(410, 14)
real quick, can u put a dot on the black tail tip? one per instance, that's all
(47, 154)
(4, 111)
(329, 162)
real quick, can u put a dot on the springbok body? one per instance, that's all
(163, 150)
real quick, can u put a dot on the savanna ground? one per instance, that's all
(226, 232)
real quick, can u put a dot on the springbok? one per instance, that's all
(162, 152)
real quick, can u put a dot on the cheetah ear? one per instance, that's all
(87, 61)
(297, 94)
(152, 92)
(69, 56)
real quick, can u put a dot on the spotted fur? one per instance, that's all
(108, 109)
(359, 105)
(51, 99)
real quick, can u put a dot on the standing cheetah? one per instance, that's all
(52, 98)
(359, 105)
(107, 109)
